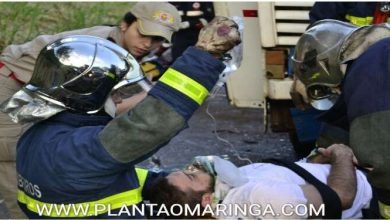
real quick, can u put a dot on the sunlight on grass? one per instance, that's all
(23, 21)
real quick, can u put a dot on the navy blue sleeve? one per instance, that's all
(328, 10)
(366, 86)
(80, 159)
(198, 65)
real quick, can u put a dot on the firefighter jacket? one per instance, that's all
(358, 13)
(363, 108)
(88, 162)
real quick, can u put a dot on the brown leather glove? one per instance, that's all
(219, 36)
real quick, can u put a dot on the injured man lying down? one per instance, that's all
(212, 187)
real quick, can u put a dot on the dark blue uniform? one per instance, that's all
(87, 161)
(358, 13)
(363, 108)
(62, 160)
(190, 12)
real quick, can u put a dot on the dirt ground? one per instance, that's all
(236, 133)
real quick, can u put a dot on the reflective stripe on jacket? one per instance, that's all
(358, 13)
(90, 208)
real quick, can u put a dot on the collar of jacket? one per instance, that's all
(115, 36)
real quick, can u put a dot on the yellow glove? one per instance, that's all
(150, 69)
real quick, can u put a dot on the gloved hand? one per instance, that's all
(219, 36)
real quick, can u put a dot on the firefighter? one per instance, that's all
(136, 33)
(357, 13)
(76, 155)
(194, 16)
(345, 71)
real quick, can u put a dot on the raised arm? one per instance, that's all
(179, 92)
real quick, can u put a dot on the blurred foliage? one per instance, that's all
(23, 21)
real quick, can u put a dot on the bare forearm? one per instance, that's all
(342, 178)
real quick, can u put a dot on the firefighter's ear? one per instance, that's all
(207, 199)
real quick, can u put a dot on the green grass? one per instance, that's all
(23, 21)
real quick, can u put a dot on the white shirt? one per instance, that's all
(274, 192)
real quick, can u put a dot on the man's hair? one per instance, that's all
(162, 192)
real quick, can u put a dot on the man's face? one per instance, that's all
(191, 179)
(135, 42)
